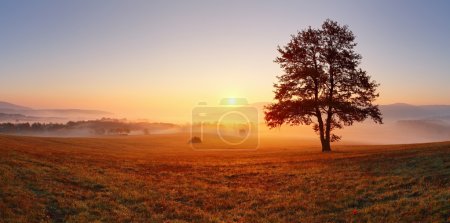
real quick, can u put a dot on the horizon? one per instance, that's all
(174, 121)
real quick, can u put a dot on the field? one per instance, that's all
(160, 179)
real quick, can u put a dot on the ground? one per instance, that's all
(160, 179)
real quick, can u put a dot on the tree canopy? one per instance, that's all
(322, 84)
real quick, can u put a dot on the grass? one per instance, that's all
(160, 179)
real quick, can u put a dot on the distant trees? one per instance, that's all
(27, 127)
(322, 84)
(100, 131)
(94, 127)
(119, 131)
(37, 126)
(195, 139)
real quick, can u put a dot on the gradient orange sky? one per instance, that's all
(158, 59)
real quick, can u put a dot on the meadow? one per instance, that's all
(159, 178)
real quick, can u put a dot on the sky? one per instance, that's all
(158, 59)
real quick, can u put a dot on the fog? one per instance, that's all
(403, 123)
(391, 132)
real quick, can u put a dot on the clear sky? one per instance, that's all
(157, 59)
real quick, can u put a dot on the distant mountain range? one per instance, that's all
(11, 112)
(9, 106)
(401, 111)
(407, 111)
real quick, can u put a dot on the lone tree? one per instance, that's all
(322, 84)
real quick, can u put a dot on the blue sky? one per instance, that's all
(147, 57)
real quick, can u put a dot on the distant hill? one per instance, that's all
(407, 111)
(10, 106)
(24, 118)
(434, 127)
(67, 112)
(12, 111)
(399, 111)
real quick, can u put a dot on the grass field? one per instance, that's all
(160, 179)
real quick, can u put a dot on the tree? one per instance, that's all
(322, 84)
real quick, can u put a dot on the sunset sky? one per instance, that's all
(158, 59)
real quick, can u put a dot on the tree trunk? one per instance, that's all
(326, 147)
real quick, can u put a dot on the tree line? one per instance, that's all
(104, 126)
(95, 127)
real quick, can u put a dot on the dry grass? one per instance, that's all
(160, 179)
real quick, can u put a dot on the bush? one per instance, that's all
(195, 139)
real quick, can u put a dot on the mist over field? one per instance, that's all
(403, 123)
